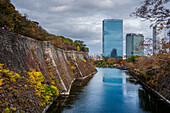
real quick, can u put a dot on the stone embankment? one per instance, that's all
(22, 54)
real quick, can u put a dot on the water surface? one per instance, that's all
(109, 91)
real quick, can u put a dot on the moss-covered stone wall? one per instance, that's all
(27, 57)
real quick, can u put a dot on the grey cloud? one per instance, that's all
(82, 19)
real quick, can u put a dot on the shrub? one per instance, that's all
(133, 58)
(103, 63)
(73, 68)
(111, 60)
(98, 63)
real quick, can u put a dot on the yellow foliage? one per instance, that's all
(47, 97)
(42, 90)
(1, 66)
(13, 108)
(10, 74)
(84, 60)
(35, 76)
(52, 82)
(72, 67)
(68, 62)
(6, 71)
(26, 86)
(7, 110)
(55, 89)
(1, 80)
(78, 48)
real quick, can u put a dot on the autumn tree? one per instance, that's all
(156, 11)
(154, 70)
(111, 60)
(133, 58)
(12, 20)
(81, 45)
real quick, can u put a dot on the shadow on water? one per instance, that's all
(149, 102)
(66, 101)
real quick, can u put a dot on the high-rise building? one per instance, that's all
(134, 44)
(113, 38)
(158, 35)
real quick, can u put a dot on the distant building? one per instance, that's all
(113, 38)
(133, 45)
(158, 35)
(101, 56)
(97, 57)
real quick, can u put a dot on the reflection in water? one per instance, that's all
(109, 91)
(151, 103)
(114, 78)
(68, 101)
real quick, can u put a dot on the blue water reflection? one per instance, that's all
(116, 78)
(109, 91)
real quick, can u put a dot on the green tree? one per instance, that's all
(133, 58)
(103, 63)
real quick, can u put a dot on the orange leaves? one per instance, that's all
(78, 48)
(111, 60)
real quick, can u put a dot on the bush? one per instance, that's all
(133, 58)
(98, 63)
(111, 60)
(103, 63)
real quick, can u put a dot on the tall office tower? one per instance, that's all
(134, 44)
(158, 35)
(113, 38)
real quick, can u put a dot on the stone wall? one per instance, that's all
(19, 53)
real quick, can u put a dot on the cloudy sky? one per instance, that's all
(82, 19)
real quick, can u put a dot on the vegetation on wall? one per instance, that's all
(17, 92)
(12, 20)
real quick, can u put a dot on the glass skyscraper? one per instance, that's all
(113, 38)
(134, 44)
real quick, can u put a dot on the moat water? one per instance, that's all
(110, 90)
